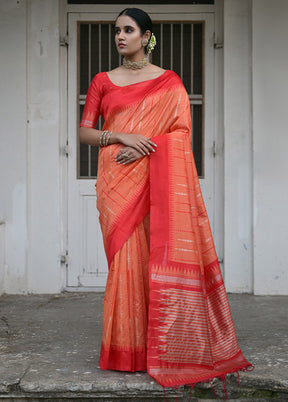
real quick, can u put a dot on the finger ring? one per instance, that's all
(125, 156)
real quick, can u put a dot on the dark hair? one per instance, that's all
(141, 18)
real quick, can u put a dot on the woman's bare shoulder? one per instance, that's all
(157, 69)
(122, 76)
(115, 72)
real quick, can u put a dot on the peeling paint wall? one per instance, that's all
(270, 143)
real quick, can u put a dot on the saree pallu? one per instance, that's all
(191, 336)
(165, 306)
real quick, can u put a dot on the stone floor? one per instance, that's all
(49, 350)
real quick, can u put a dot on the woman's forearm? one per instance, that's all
(142, 144)
(92, 136)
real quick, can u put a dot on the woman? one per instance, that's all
(165, 308)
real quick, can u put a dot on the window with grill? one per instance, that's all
(179, 48)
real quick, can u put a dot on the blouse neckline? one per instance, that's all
(135, 83)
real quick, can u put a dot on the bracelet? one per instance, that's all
(101, 138)
(105, 138)
(107, 142)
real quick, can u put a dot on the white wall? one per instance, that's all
(13, 278)
(238, 244)
(270, 134)
(255, 168)
(43, 145)
(29, 152)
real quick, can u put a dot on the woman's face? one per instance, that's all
(128, 36)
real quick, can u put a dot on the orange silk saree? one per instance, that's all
(165, 307)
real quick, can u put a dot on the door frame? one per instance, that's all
(155, 11)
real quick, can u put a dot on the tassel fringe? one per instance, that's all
(222, 378)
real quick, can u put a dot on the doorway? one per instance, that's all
(184, 45)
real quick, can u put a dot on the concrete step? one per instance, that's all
(49, 350)
(116, 386)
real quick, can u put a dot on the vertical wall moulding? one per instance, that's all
(44, 156)
(63, 139)
(238, 151)
(270, 143)
(13, 143)
(219, 133)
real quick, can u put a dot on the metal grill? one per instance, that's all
(140, 2)
(179, 48)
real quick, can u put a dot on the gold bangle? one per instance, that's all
(105, 138)
(108, 138)
(102, 138)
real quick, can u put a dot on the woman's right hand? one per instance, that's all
(139, 142)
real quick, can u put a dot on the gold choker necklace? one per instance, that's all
(135, 64)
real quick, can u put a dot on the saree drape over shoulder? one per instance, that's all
(165, 307)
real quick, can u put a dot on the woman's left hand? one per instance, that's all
(128, 155)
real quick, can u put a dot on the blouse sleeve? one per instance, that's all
(91, 110)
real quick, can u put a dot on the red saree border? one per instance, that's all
(136, 92)
(123, 358)
(127, 222)
(159, 203)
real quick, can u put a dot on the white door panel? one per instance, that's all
(87, 266)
